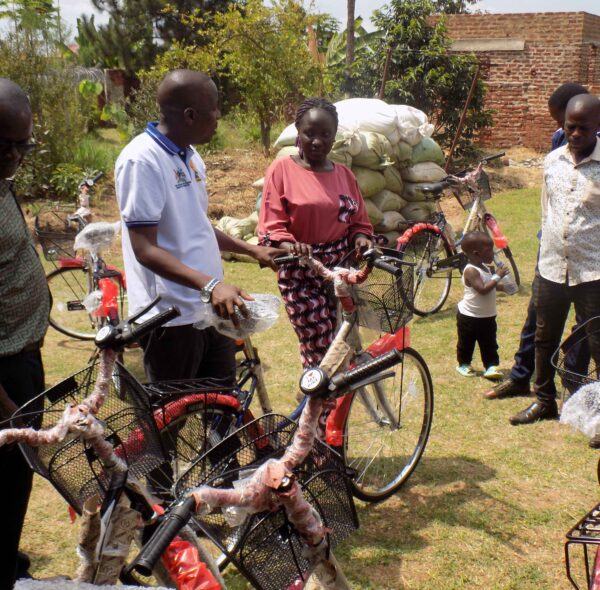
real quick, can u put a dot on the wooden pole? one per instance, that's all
(463, 115)
(386, 71)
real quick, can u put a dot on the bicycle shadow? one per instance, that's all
(445, 490)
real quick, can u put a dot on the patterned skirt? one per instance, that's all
(310, 303)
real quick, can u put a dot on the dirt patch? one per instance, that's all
(230, 178)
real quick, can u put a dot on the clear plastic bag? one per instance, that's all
(97, 236)
(582, 410)
(263, 313)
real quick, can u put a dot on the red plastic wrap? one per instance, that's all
(185, 568)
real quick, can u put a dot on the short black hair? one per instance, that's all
(316, 103)
(473, 240)
(564, 93)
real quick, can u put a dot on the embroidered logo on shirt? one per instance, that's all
(197, 176)
(181, 179)
(348, 207)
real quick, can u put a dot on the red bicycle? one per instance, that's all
(87, 292)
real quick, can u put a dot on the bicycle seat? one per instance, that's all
(435, 188)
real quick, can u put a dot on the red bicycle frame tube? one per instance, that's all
(334, 427)
(500, 240)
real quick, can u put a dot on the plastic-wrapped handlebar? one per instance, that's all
(168, 529)
(345, 381)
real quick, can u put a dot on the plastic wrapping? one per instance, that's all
(263, 313)
(97, 236)
(582, 410)
(185, 567)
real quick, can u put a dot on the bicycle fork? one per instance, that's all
(378, 408)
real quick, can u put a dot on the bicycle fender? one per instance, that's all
(500, 240)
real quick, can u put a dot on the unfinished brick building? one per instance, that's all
(524, 58)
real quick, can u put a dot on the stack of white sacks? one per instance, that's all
(390, 150)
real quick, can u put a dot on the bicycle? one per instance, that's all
(435, 253)
(87, 292)
(98, 441)
(264, 475)
(586, 533)
(380, 429)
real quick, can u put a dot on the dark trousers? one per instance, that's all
(22, 376)
(552, 303)
(481, 331)
(182, 352)
(577, 359)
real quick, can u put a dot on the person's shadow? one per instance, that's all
(442, 489)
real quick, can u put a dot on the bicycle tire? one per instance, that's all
(382, 454)
(430, 289)
(70, 286)
(506, 257)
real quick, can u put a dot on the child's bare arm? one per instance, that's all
(473, 279)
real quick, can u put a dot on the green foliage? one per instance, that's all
(423, 72)
(89, 91)
(29, 55)
(116, 114)
(95, 152)
(263, 51)
(65, 179)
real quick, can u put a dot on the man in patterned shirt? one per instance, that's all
(568, 270)
(23, 322)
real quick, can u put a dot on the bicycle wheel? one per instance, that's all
(69, 287)
(505, 256)
(387, 428)
(431, 287)
(188, 437)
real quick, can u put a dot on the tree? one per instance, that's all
(263, 51)
(30, 55)
(126, 41)
(349, 49)
(424, 73)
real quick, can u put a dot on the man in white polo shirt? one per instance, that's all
(169, 245)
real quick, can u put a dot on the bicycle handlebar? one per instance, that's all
(166, 531)
(90, 182)
(117, 337)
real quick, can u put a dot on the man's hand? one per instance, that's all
(225, 298)
(264, 255)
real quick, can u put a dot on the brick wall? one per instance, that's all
(558, 47)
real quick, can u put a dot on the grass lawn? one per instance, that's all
(487, 507)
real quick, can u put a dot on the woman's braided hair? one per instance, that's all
(316, 103)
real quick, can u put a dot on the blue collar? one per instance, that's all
(164, 142)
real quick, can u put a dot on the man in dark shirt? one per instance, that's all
(23, 321)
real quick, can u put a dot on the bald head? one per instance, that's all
(584, 104)
(13, 102)
(15, 127)
(181, 89)
(582, 122)
(189, 108)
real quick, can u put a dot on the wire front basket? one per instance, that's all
(265, 547)
(467, 196)
(384, 301)
(55, 233)
(572, 359)
(71, 465)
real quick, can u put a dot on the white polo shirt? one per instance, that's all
(159, 184)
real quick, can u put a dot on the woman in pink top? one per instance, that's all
(311, 206)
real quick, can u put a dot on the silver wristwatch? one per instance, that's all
(206, 291)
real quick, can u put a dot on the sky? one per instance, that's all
(71, 9)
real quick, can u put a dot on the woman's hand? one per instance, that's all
(297, 248)
(362, 243)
